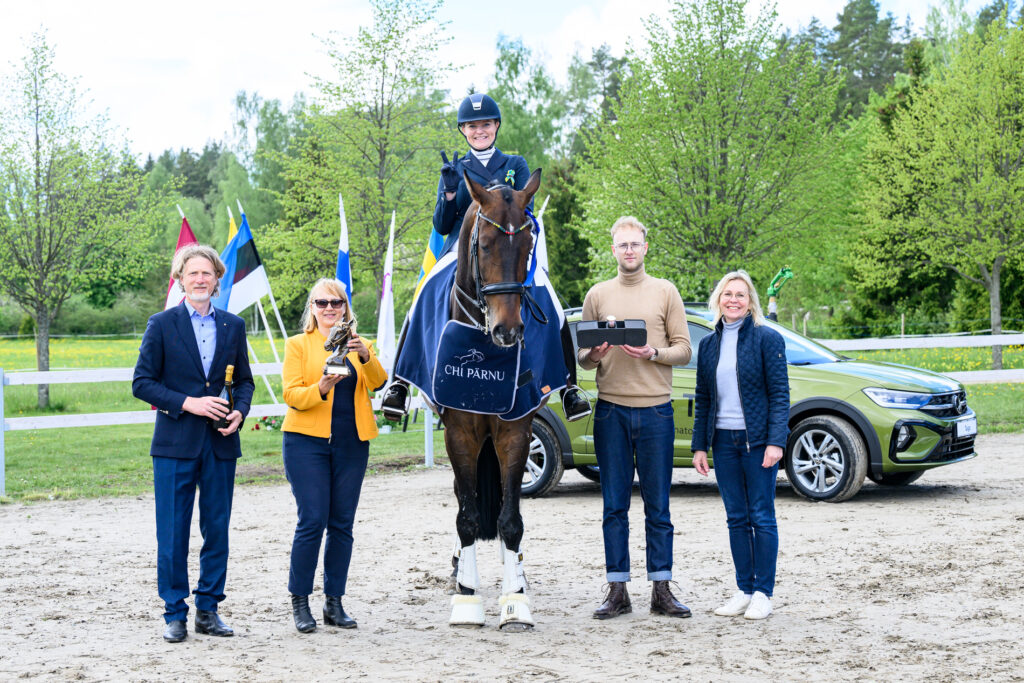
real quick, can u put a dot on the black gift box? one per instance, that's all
(595, 332)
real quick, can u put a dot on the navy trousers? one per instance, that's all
(621, 434)
(174, 485)
(748, 492)
(326, 478)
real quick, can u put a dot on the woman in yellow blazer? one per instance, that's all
(327, 431)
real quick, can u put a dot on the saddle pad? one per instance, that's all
(472, 373)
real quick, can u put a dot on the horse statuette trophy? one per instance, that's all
(337, 341)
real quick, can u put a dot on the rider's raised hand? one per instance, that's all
(449, 176)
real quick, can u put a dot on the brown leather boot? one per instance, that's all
(615, 603)
(663, 602)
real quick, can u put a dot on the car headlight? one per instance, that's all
(890, 398)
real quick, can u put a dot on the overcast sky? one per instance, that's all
(167, 73)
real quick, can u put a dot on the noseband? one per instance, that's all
(476, 300)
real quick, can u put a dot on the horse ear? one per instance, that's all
(476, 190)
(524, 196)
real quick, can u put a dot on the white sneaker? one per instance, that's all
(760, 606)
(736, 606)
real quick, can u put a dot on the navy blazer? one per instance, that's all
(448, 215)
(763, 379)
(169, 370)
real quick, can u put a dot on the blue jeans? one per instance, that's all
(326, 478)
(620, 434)
(174, 486)
(748, 492)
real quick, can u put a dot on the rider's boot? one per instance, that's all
(574, 405)
(393, 405)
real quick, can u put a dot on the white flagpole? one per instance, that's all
(180, 212)
(543, 206)
(265, 380)
(270, 292)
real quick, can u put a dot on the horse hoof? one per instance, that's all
(467, 611)
(515, 613)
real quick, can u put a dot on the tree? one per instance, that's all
(73, 210)
(374, 136)
(956, 155)
(867, 49)
(716, 144)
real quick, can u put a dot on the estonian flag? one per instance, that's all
(245, 281)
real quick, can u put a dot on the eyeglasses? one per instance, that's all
(335, 303)
(629, 246)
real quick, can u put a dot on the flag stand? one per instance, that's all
(265, 380)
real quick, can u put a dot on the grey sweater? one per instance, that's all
(730, 410)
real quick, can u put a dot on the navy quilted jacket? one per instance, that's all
(763, 382)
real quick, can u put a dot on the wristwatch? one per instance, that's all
(654, 356)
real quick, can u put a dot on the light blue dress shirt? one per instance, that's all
(205, 328)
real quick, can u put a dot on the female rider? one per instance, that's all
(479, 120)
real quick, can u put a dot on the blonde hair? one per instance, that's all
(335, 288)
(716, 295)
(629, 222)
(191, 251)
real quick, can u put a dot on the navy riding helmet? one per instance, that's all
(478, 107)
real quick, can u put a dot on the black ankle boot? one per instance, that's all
(394, 401)
(304, 621)
(616, 602)
(334, 613)
(574, 405)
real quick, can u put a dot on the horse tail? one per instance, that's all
(488, 490)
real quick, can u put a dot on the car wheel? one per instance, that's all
(827, 459)
(591, 472)
(544, 463)
(896, 478)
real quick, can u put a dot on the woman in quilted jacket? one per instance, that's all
(742, 413)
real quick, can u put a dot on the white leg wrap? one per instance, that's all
(515, 612)
(467, 610)
(468, 575)
(513, 579)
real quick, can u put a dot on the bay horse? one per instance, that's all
(488, 454)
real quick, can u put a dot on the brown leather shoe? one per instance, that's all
(615, 603)
(663, 602)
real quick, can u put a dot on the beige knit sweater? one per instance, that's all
(635, 382)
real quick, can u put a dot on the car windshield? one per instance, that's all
(803, 351)
(799, 349)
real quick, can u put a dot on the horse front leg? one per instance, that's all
(512, 445)
(461, 444)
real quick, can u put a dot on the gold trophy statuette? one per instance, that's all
(337, 341)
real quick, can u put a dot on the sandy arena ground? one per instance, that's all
(925, 582)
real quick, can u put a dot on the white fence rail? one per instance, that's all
(8, 424)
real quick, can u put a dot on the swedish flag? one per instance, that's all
(430, 256)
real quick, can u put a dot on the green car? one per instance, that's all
(848, 419)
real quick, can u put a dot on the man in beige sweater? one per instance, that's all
(633, 417)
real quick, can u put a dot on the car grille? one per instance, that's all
(946, 405)
(952, 449)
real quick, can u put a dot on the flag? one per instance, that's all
(343, 271)
(245, 281)
(232, 228)
(174, 293)
(430, 256)
(386, 319)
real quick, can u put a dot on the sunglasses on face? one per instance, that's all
(334, 303)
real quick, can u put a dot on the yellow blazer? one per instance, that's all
(308, 413)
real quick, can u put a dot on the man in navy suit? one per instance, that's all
(180, 371)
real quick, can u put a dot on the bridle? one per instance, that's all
(476, 300)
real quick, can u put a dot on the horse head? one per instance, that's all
(494, 250)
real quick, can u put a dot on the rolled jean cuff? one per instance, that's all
(660, 576)
(617, 577)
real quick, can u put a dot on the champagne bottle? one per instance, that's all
(226, 394)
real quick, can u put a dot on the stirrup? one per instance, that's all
(582, 408)
(398, 408)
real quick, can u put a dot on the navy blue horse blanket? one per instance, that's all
(456, 366)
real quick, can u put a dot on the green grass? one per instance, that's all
(94, 462)
(947, 360)
(1000, 407)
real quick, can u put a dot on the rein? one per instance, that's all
(477, 300)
